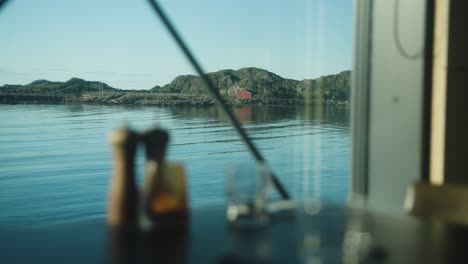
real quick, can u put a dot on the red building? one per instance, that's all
(244, 95)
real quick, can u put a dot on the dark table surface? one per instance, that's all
(335, 235)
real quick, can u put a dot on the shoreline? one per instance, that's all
(155, 99)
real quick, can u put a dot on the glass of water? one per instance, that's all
(248, 187)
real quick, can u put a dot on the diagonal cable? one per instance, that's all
(214, 93)
(2, 4)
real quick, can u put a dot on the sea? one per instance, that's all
(56, 160)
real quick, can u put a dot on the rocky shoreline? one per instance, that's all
(151, 99)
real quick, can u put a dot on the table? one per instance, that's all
(337, 234)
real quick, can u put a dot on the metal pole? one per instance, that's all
(212, 90)
(2, 3)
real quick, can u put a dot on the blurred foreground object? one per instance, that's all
(165, 191)
(123, 195)
(446, 202)
(248, 188)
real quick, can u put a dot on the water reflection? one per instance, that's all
(338, 116)
(60, 153)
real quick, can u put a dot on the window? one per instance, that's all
(71, 71)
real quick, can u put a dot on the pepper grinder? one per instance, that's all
(123, 195)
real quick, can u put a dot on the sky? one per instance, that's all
(122, 42)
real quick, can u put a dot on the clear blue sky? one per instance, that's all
(122, 43)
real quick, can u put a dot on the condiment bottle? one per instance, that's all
(165, 192)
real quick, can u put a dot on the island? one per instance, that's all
(237, 87)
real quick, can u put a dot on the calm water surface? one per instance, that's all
(55, 160)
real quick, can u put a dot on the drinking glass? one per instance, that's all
(248, 187)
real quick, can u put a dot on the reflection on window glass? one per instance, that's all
(72, 71)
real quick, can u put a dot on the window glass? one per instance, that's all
(72, 71)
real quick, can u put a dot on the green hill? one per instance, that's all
(72, 86)
(264, 84)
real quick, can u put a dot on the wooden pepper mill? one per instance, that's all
(165, 192)
(123, 195)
